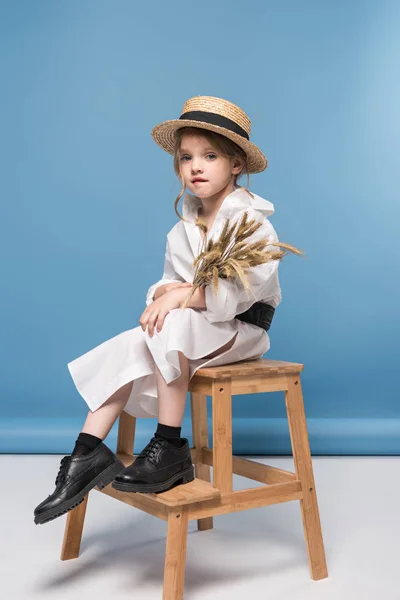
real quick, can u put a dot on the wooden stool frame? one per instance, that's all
(202, 499)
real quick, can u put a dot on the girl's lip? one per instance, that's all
(200, 181)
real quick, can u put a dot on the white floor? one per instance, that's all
(257, 554)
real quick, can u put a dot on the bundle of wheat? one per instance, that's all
(230, 255)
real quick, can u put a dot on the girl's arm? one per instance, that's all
(169, 276)
(163, 289)
(232, 297)
(159, 291)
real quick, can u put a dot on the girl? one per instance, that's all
(146, 370)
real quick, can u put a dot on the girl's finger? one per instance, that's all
(150, 323)
(160, 320)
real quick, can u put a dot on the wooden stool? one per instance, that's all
(201, 499)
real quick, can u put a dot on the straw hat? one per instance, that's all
(215, 114)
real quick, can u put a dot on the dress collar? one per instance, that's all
(232, 202)
(237, 199)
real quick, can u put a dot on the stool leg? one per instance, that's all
(222, 434)
(304, 472)
(175, 555)
(126, 433)
(73, 531)
(198, 404)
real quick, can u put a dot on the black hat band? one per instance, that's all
(214, 119)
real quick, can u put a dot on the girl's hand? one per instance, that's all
(160, 291)
(154, 315)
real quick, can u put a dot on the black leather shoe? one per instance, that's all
(157, 468)
(76, 477)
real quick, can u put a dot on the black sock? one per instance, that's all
(85, 443)
(172, 434)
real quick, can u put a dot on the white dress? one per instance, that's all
(132, 355)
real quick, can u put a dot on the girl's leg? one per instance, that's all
(100, 422)
(85, 472)
(172, 397)
(173, 463)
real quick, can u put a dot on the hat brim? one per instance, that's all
(164, 135)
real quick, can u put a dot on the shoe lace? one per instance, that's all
(152, 449)
(63, 469)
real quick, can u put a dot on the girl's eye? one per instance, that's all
(210, 155)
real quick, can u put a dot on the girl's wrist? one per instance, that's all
(198, 300)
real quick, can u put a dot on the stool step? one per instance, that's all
(160, 504)
(188, 493)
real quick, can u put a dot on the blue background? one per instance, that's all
(87, 199)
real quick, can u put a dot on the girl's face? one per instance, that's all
(198, 159)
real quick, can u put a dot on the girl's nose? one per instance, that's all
(196, 166)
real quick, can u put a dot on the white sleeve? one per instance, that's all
(169, 276)
(232, 297)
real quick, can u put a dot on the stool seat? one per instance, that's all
(250, 367)
(203, 499)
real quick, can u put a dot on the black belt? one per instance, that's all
(259, 314)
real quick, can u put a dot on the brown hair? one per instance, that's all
(226, 146)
